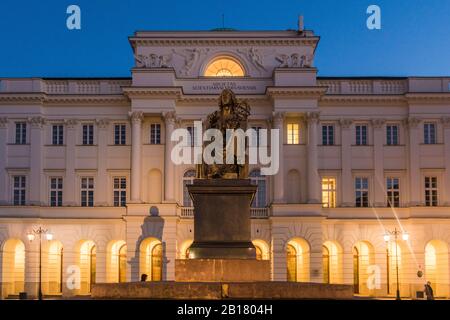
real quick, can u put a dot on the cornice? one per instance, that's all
(368, 98)
(295, 92)
(19, 98)
(42, 98)
(307, 41)
(151, 92)
(428, 97)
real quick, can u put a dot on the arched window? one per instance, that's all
(224, 67)
(123, 263)
(259, 255)
(157, 262)
(260, 181)
(291, 262)
(188, 178)
(93, 264)
(326, 264)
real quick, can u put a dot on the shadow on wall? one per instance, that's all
(149, 256)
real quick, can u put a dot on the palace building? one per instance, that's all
(89, 162)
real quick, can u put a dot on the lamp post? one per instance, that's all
(387, 237)
(31, 236)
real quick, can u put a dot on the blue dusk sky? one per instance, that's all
(414, 38)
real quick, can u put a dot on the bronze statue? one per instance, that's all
(232, 114)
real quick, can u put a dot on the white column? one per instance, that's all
(446, 182)
(70, 190)
(414, 161)
(101, 195)
(36, 160)
(278, 185)
(136, 146)
(346, 163)
(3, 159)
(32, 267)
(378, 145)
(169, 168)
(313, 172)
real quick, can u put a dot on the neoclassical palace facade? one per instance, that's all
(89, 162)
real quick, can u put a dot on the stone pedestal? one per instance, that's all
(222, 270)
(222, 219)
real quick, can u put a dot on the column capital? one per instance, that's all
(345, 123)
(170, 117)
(445, 121)
(313, 117)
(136, 116)
(378, 123)
(36, 122)
(3, 122)
(278, 117)
(71, 123)
(102, 123)
(412, 122)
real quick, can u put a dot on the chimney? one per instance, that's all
(300, 23)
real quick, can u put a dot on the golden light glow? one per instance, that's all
(328, 192)
(297, 260)
(292, 133)
(224, 67)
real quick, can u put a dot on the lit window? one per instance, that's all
(392, 135)
(329, 192)
(429, 132)
(19, 190)
(87, 192)
(292, 133)
(120, 191)
(393, 192)
(119, 134)
(361, 192)
(56, 192)
(224, 67)
(431, 192)
(155, 133)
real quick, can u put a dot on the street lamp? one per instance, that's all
(31, 236)
(387, 237)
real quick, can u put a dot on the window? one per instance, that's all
(58, 134)
(392, 135)
(429, 132)
(292, 133)
(19, 189)
(188, 179)
(431, 192)
(328, 135)
(119, 134)
(21, 132)
(155, 133)
(393, 192)
(255, 139)
(191, 131)
(259, 201)
(88, 134)
(361, 135)
(361, 192)
(328, 192)
(224, 67)
(120, 191)
(87, 192)
(56, 192)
